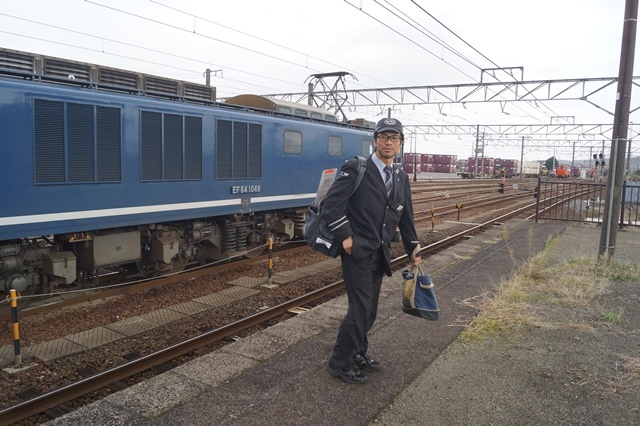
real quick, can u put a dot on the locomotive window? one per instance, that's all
(76, 143)
(330, 117)
(238, 150)
(334, 147)
(301, 112)
(367, 147)
(316, 115)
(292, 142)
(170, 146)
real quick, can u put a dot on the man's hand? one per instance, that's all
(346, 244)
(416, 261)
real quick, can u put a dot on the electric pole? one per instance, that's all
(609, 234)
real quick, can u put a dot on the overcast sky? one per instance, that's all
(274, 46)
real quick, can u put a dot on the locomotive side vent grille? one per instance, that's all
(240, 136)
(193, 148)
(160, 85)
(108, 145)
(223, 149)
(80, 143)
(172, 146)
(238, 150)
(49, 141)
(151, 145)
(255, 150)
(66, 69)
(199, 92)
(16, 61)
(76, 143)
(118, 78)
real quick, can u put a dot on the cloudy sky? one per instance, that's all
(274, 46)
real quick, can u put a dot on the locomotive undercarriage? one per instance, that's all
(49, 264)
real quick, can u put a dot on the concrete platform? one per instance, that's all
(279, 376)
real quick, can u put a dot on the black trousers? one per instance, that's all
(363, 279)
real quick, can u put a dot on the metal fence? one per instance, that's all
(584, 202)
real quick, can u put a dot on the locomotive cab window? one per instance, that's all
(334, 148)
(367, 147)
(292, 142)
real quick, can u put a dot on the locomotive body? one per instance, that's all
(95, 177)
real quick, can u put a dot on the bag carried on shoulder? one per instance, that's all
(316, 231)
(418, 297)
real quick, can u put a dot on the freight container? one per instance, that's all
(530, 168)
(409, 157)
(426, 167)
(449, 159)
(408, 167)
(426, 158)
(575, 171)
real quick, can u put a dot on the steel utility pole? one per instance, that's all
(609, 234)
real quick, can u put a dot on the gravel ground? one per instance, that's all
(574, 367)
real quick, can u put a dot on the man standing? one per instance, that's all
(365, 224)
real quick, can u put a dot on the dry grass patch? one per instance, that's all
(523, 300)
(628, 377)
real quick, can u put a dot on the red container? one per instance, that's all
(511, 163)
(408, 167)
(409, 158)
(426, 167)
(449, 159)
(426, 158)
(575, 171)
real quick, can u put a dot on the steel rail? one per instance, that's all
(40, 403)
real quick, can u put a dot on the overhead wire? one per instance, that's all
(469, 45)
(267, 41)
(137, 47)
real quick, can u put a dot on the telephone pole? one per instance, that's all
(609, 234)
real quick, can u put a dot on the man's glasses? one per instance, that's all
(383, 138)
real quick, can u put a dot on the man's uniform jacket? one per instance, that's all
(369, 216)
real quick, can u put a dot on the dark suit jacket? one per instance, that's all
(369, 216)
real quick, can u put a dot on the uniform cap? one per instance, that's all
(388, 124)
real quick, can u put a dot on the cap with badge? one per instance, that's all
(388, 125)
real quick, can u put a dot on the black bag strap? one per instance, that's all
(362, 167)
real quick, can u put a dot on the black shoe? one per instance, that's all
(350, 376)
(366, 362)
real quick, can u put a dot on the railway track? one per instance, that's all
(99, 380)
(91, 383)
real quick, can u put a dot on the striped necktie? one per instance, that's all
(388, 183)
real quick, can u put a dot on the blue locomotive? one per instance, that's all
(105, 168)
